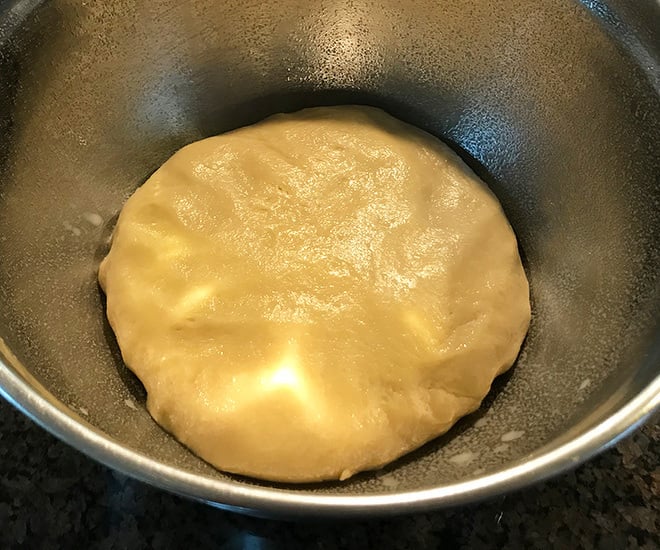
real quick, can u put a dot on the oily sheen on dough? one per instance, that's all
(314, 295)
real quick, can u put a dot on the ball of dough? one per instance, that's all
(314, 295)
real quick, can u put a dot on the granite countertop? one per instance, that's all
(52, 496)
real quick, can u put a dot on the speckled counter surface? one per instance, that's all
(51, 496)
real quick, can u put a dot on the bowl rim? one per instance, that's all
(237, 496)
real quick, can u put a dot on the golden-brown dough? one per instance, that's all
(314, 295)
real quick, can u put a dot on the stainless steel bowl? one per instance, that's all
(554, 103)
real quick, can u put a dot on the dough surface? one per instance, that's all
(314, 295)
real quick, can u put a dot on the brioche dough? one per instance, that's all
(314, 295)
